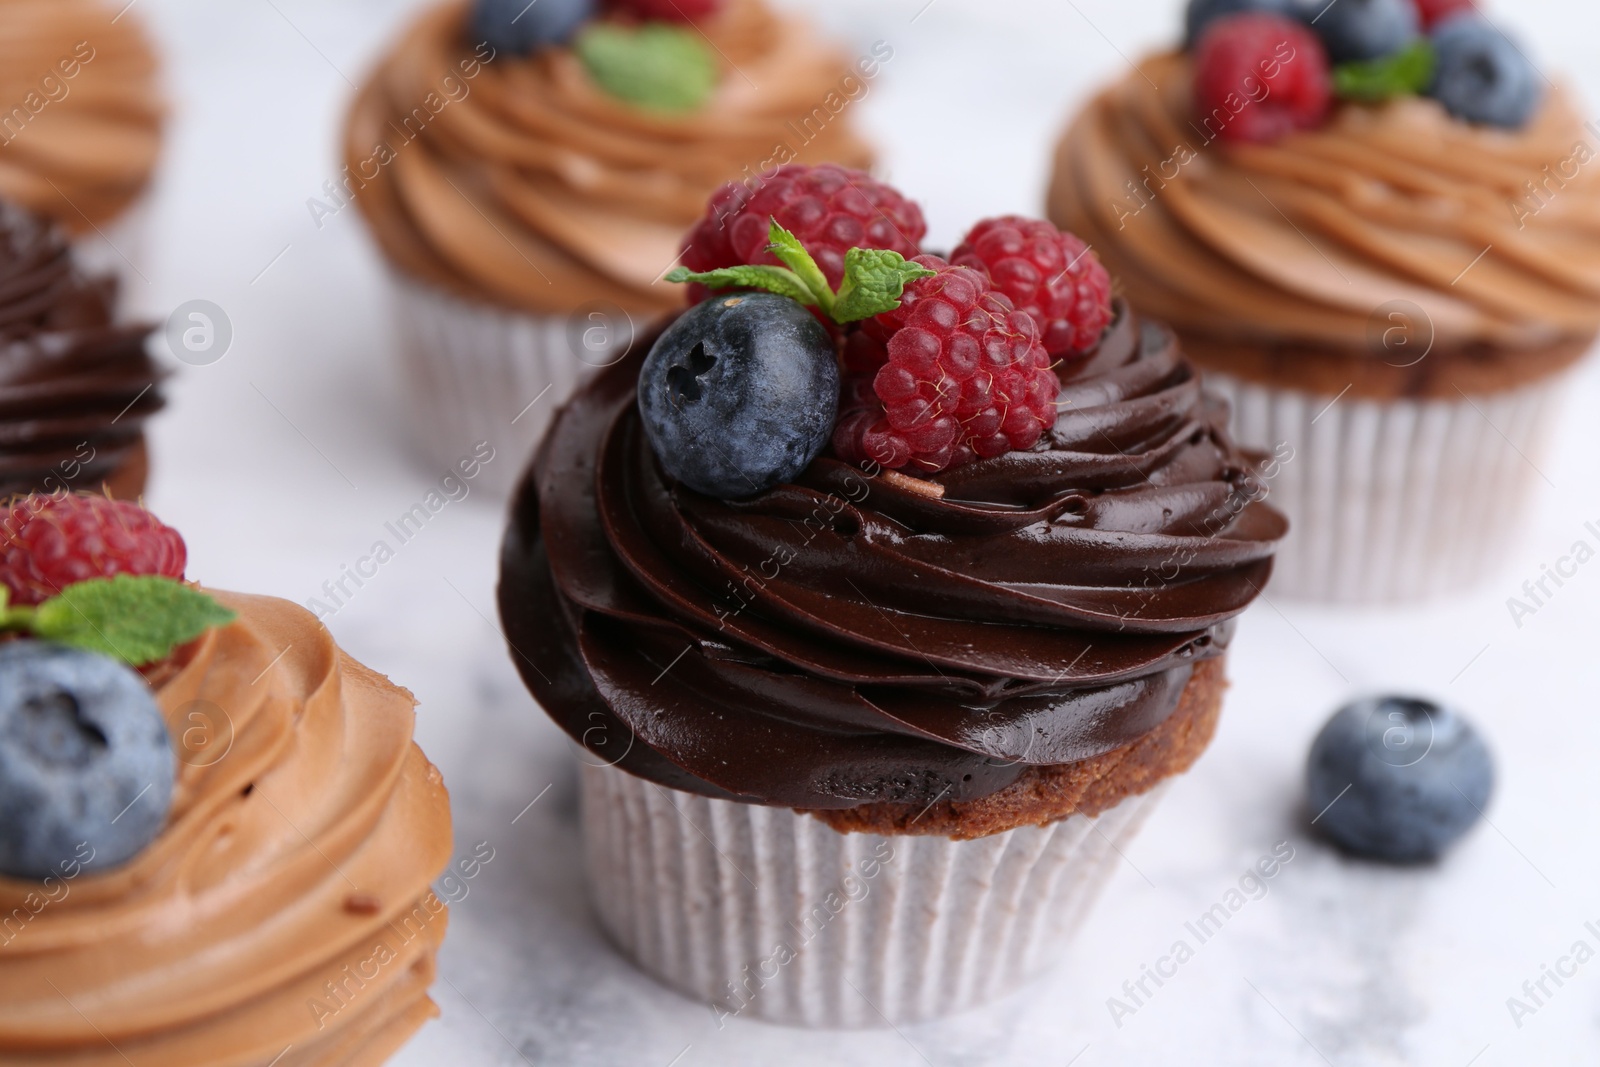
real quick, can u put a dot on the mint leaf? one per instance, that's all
(874, 280)
(656, 65)
(771, 279)
(1406, 73)
(787, 247)
(135, 618)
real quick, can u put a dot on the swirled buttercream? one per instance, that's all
(853, 639)
(1494, 235)
(80, 109)
(283, 916)
(75, 388)
(518, 181)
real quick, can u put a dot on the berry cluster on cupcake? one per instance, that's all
(879, 569)
(528, 172)
(1371, 224)
(1263, 68)
(939, 362)
(216, 835)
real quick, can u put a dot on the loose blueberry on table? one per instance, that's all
(1398, 779)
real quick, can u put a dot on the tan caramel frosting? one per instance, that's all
(80, 109)
(285, 906)
(523, 183)
(1305, 239)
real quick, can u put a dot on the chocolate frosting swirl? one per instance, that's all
(80, 109)
(283, 916)
(75, 389)
(849, 638)
(534, 189)
(1494, 234)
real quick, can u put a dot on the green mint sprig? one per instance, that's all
(137, 619)
(874, 278)
(657, 66)
(1406, 73)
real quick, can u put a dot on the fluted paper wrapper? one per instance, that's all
(1393, 500)
(765, 913)
(477, 372)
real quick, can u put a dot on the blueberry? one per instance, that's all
(1481, 76)
(1366, 29)
(1398, 779)
(740, 394)
(1203, 13)
(520, 26)
(85, 760)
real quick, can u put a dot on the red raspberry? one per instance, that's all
(964, 377)
(50, 542)
(830, 208)
(1244, 87)
(1434, 12)
(669, 10)
(1049, 274)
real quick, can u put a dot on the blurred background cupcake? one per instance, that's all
(76, 387)
(1376, 228)
(81, 115)
(216, 831)
(529, 171)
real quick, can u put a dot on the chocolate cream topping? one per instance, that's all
(80, 109)
(286, 904)
(850, 639)
(519, 181)
(75, 389)
(1305, 239)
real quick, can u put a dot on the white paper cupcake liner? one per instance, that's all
(765, 913)
(477, 372)
(1395, 500)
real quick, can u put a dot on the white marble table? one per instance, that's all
(283, 461)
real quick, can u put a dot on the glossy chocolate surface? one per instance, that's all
(850, 639)
(75, 388)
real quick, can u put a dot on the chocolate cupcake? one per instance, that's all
(862, 741)
(1388, 264)
(81, 136)
(220, 857)
(528, 173)
(76, 388)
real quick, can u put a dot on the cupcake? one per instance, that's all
(1375, 232)
(881, 623)
(76, 387)
(81, 135)
(528, 173)
(216, 834)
